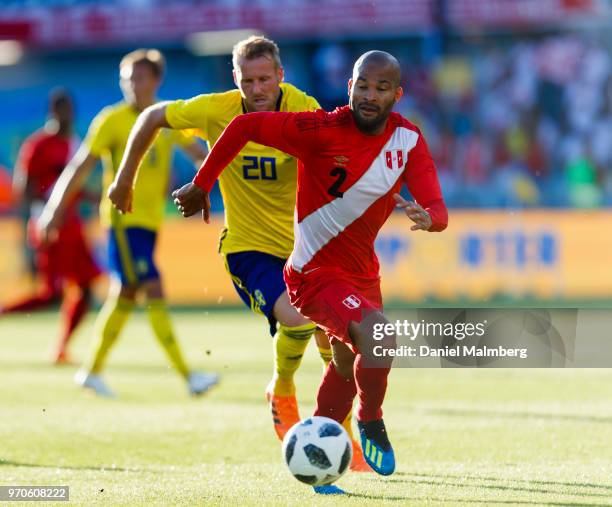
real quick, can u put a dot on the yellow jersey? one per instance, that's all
(259, 185)
(106, 139)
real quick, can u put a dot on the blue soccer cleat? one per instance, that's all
(376, 447)
(328, 489)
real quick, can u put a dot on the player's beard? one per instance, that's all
(373, 124)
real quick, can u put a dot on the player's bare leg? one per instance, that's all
(198, 382)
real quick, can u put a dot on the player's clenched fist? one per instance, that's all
(420, 217)
(121, 196)
(190, 199)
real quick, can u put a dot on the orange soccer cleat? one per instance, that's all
(284, 412)
(358, 463)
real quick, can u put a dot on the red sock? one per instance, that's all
(335, 396)
(73, 310)
(36, 302)
(371, 388)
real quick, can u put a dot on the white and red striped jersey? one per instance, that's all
(346, 181)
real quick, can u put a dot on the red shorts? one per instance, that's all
(68, 258)
(332, 299)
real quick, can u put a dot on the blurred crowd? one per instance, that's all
(525, 125)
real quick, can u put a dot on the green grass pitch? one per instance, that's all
(461, 437)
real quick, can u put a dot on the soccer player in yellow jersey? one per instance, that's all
(131, 238)
(258, 191)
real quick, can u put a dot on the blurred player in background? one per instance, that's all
(259, 195)
(131, 239)
(353, 163)
(65, 265)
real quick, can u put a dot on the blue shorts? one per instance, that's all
(130, 255)
(258, 279)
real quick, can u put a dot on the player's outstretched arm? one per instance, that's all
(265, 128)
(68, 184)
(277, 130)
(194, 197)
(240, 130)
(141, 136)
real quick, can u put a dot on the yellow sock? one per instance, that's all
(162, 327)
(289, 346)
(324, 347)
(347, 424)
(326, 356)
(109, 323)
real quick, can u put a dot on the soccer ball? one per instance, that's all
(317, 450)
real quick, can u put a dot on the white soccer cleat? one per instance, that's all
(94, 382)
(200, 382)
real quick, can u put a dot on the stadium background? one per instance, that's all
(514, 97)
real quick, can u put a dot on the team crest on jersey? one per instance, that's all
(394, 159)
(352, 302)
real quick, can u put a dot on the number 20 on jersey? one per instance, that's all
(259, 168)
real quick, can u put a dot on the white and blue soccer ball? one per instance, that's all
(317, 450)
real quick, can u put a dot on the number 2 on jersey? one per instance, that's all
(340, 173)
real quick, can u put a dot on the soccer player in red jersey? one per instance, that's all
(353, 162)
(66, 259)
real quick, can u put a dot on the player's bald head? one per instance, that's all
(383, 61)
(374, 89)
